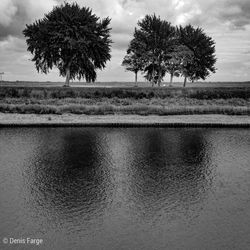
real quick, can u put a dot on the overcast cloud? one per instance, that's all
(226, 21)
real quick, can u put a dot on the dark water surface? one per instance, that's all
(133, 188)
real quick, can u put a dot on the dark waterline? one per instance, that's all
(125, 188)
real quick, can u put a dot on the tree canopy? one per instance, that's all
(180, 51)
(179, 58)
(203, 50)
(156, 38)
(72, 39)
(134, 60)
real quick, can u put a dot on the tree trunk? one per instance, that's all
(185, 81)
(153, 77)
(67, 77)
(136, 78)
(171, 78)
(159, 78)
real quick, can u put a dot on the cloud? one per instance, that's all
(237, 13)
(226, 21)
(15, 14)
(233, 14)
(8, 10)
(246, 52)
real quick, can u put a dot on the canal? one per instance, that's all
(125, 188)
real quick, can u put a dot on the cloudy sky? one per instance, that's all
(226, 21)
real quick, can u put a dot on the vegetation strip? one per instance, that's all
(125, 110)
(136, 101)
(70, 120)
(200, 93)
(128, 125)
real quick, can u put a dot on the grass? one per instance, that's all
(177, 83)
(138, 109)
(121, 93)
(165, 102)
(140, 101)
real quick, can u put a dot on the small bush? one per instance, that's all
(26, 93)
(151, 95)
(11, 92)
(97, 94)
(45, 93)
(38, 94)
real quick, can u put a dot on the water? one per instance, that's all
(134, 188)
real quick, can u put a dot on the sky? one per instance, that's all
(226, 21)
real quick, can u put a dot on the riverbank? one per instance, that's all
(125, 101)
(123, 120)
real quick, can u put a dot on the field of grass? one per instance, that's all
(125, 84)
(139, 100)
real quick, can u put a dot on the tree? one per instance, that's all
(176, 65)
(154, 72)
(155, 37)
(71, 38)
(133, 61)
(203, 53)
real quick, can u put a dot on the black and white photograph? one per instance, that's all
(124, 125)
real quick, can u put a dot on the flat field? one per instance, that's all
(125, 84)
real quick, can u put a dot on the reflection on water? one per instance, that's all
(104, 188)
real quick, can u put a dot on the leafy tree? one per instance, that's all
(71, 38)
(133, 61)
(154, 72)
(180, 56)
(203, 53)
(155, 37)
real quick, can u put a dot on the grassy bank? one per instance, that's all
(136, 93)
(141, 101)
(73, 120)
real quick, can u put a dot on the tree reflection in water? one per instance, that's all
(69, 177)
(88, 167)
